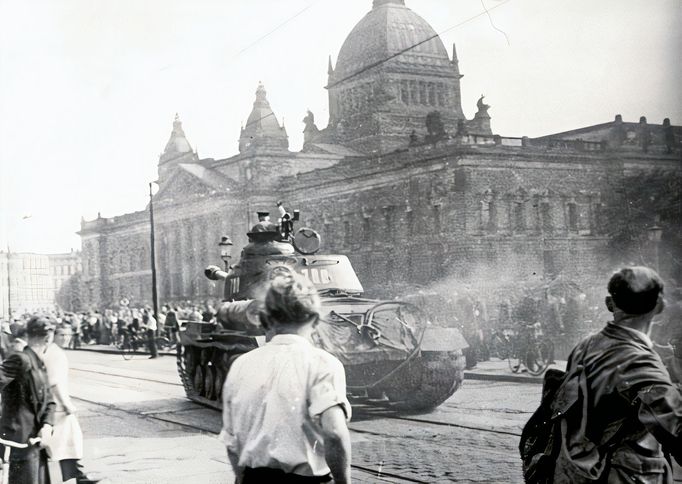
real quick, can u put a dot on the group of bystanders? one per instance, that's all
(38, 426)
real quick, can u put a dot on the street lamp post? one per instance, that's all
(226, 251)
(9, 285)
(655, 232)
(155, 297)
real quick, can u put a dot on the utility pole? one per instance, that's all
(155, 297)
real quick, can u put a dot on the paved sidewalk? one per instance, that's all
(498, 370)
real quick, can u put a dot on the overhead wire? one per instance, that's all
(486, 11)
(407, 49)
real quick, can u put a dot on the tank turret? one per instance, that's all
(391, 352)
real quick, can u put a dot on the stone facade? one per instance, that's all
(412, 197)
(38, 282)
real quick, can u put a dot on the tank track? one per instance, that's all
(434, 379)
(424, 385)
(195, 374)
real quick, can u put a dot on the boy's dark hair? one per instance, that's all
(635, 290)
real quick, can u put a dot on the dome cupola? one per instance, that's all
(391, 71)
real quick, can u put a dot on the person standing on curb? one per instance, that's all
(66, 443)
(27, 406)
(150, 323)
(285, 409)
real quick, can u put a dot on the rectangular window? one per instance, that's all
(422, 93)
(519, 220)
(549, 263)
(436, 216)
(414, 98)
(441, 94)
(389, 222)
(597, 216)
(404, 92)
(432, 94)
(572, 217)
(346, 232)
(366, 229)
(409, 222)
(546, 217)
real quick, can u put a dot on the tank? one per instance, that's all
(392, 354)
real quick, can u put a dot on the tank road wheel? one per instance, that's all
(440, 375)
(199, 380)
(221, 363)
(209, 381)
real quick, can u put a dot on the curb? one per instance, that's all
(115, 351)
(473, 375)
(468, 375)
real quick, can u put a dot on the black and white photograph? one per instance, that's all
(319, 241)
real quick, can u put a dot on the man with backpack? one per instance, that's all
(614, 416)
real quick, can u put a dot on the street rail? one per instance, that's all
(153, 416)
(386, 414)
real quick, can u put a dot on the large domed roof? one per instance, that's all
(387, 30)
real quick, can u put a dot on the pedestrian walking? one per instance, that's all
(27, 407)
(149, 322)
(615, 415)
(65, 445)
(285, 410)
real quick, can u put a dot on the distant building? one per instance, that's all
(37, 282)
(399, 180)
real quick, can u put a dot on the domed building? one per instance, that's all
(399, 180)
(392, 71)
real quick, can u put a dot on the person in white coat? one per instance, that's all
(66, 443)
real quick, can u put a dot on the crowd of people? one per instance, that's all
(111, 326)
(614, 415)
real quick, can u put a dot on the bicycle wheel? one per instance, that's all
(535, 361)
(513, 359)
(127, 350)
(163, 343)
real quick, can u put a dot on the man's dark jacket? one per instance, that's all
(27, 402)
(633, 409)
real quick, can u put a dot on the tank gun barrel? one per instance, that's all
(214, 273)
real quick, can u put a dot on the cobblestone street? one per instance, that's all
(140, 428)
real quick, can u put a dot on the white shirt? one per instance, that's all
(57, 367)
(151, 323)
(272, 400)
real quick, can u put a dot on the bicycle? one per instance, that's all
(530, 349)
(128, 344)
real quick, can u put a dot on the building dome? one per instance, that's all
(387, 30)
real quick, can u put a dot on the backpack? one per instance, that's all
(541, 436)
(543, 444)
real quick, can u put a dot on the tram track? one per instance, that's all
(379, 413)
(151, 380)
(153, 416)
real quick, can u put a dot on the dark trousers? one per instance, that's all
(70, 469)
(264, 474)
(30, 468)
(151, 342)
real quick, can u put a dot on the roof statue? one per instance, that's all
(482, 107)
(310, 128)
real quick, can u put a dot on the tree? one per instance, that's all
(635, 204)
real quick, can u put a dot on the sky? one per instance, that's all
(89, 88)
